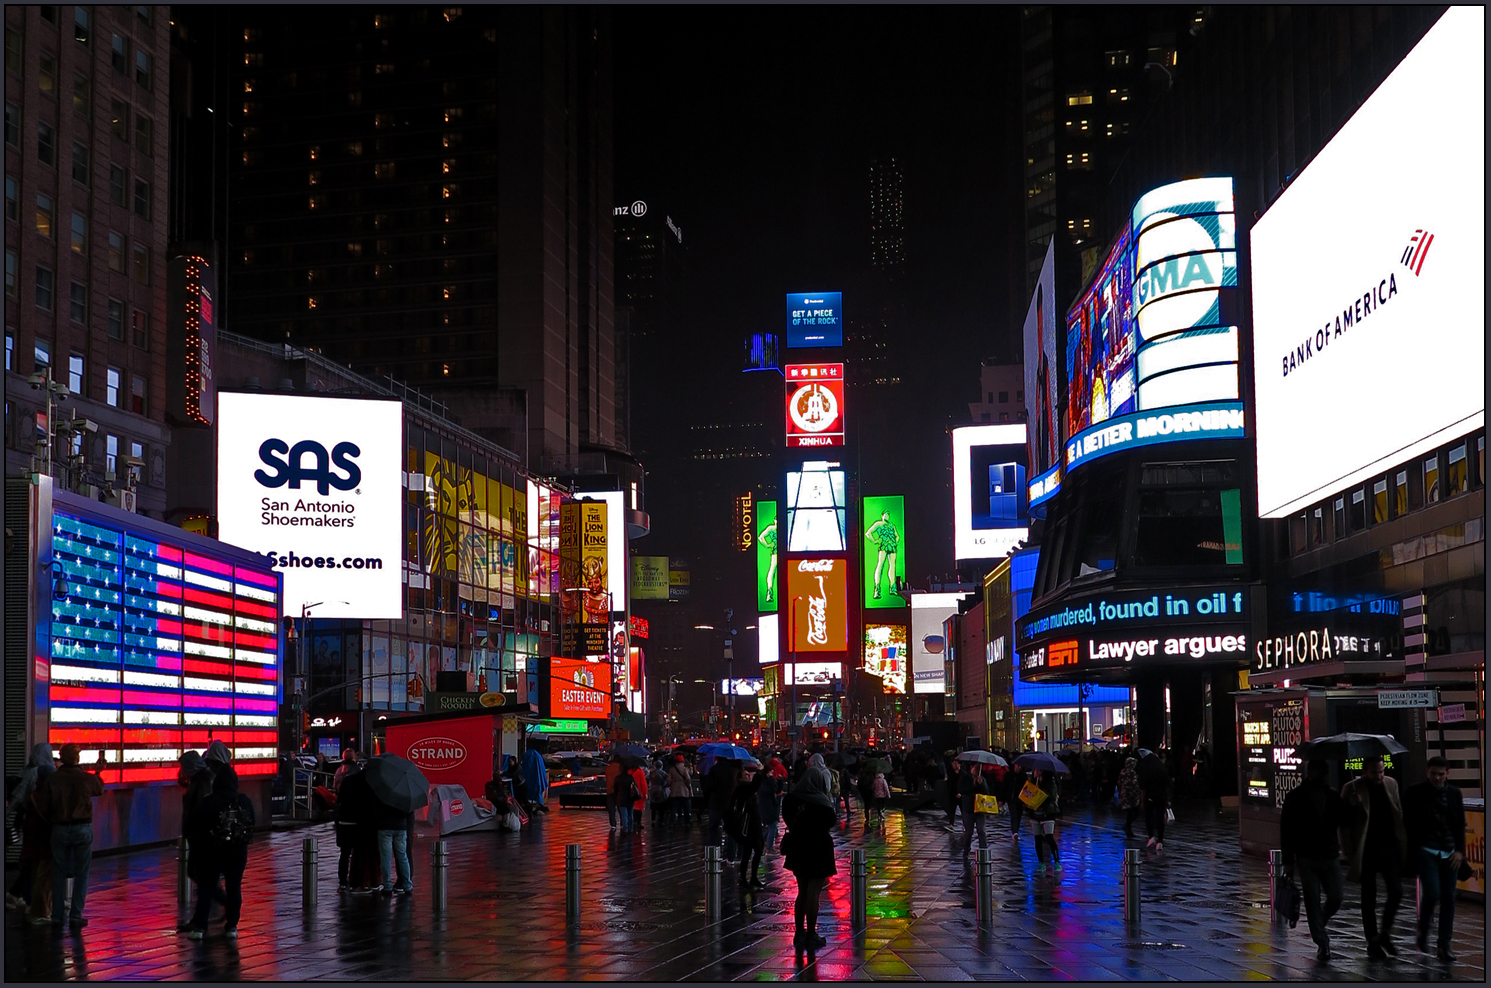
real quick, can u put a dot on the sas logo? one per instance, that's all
(437, 754)
(1417, 250)
(289, 467)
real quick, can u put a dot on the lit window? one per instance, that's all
(47, 74)
(1379, 502)
(314, 177)
(112, 386)
(116, 252)
(315, 152)
(1431, 479)
(82, 94)
(447, 165)
(111, 454)
(79, 233)
(1457, 471)
(137, 397)
(75, 374)
(1400, 494)
(315, 202)
(45, 216)
(310, 303)
(1079, 99)
(42, 356)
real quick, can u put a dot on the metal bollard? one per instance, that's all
(309, 884)
(858, 882)
(1276, 887)
(713, 868)
(984, 887)
(572, 882)
(183, 866)
(1131, 886)
(437, 874)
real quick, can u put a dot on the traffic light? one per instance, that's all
(305, 722)
(825, 735)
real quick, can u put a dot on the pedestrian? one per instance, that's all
(971, 784)
(514, 777)
(1043, 820)
(613, 772)
(1154, 782)
(220, 760)
(38, 767)
(1309, 822)
(747, 827)
(1434, 815)
(65, 799)
(344, 813)
(392, 826)
(866, 787)
(720, 787)
(843, 786)
(357, 834)
(196, 778)
(1015, 781)
(348, 766)
(657, 792)
(681, 792)
(808, 848)
(882, 797)
(224, 823)
(1377, 843)
(1130, 796)
(35, 902)
(639, 795)
(949, 787)
(769, 802)
(536, 774)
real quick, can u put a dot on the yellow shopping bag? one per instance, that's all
(985, 804)
(1032, 795)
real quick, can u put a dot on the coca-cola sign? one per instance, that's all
(435, 754)
(819, 604)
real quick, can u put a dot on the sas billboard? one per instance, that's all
(815, 405)
(766, 556)
(578, 688)
(1368, 278)
(649, 577)
(884, 567)
(928, 646)
(315, 486)
(820, 604)
(885, 655)
(989, 490)
(816, 507)
(815, 319)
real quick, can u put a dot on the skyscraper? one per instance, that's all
(887, 229)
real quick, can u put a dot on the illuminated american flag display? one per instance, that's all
(156, 650)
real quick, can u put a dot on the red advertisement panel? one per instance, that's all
(820, 604)
(579, 689)
(453, 752)
(815, 404)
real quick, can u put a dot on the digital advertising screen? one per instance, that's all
(811, 673)
(767, 631)
(1100, 343)
(579, 688)
(741, 687)
(815, 319)
(815, 405)
(1044, 327)
(159, 647)
(884, 548)
(886, 655)
(820, 620)
(928, 647)
(766, 556)
(650, 577)
(989, 490)
(316, 484)
(1385, 337)
(615, 535)
(816, 508)
(762, 353)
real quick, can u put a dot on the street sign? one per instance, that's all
(1452, 713)
(1402, 699)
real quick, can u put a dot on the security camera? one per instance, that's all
(36, 381)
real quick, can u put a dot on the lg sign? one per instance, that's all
(315, 485)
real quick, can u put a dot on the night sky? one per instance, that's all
(753, 128)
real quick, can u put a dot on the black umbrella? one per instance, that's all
(1351, 745)
(1042, 761)
(398, 783)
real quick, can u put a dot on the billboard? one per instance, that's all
(815, 319)
(885, 655)
(743, 522)
(157, 648)
(1043, 329)
(884, 567)
(1368, 282)
(578, 688)
(1100, 343)
(766, 556)
(989, 490)
(678, 579)
(741, 687)
(768, 628)
(316, 485)
(928, 647)
(815, 405)
(584, 614)
(192, 332)
(816, 505)
(649, 577)
(820, 603)
(615, 536)
(761, 353)
(811, 673)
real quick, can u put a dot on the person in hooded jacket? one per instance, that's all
(745, 820)
(681, 792)
(346, 825)
(357, 833)
(808, 848)
(227, 851)
(196, 779)
(537, 776)
(38, 767)
(220, 760)
(1130, 796)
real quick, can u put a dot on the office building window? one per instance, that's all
(1357, 515)
(10, 347)
(111, 455)
(119, 119)
(137, 403)
(116, 319)
(140, 266)
(11, 212)
(116, 252)
(1431, 479)
(79, 233)
(77, 308)
(144, 131)
(46, 144)
(1079, 99)
(80, 163)
(143, 68)
(12, 50)
(82, 28)
(1480, 460)
(1379, 501)
(118, 186)
(10, 273)
(1456, 471)
(1400, 494)
(82, 94)
(117, 56)
(41, 356)
(12, 125)
(49, 13)
(142, 199)
(114, 381)
(137, 468)
(44, 289)
(140, 329)
(1004, 397)
(1317, 527)
(75, 374)
(46, 75)
(1340, 517)
(46, 216)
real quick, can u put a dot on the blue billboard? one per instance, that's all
(815, 319)
(1022, 583)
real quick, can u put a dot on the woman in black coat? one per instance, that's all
(749, 832)
(808, 848)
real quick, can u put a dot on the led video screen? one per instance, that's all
(816, 506)
(990, 506)
(885, 655)
(884, 545)
(815, 319)
(820, 604)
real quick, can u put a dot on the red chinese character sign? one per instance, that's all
(820, 604)
(815, 405)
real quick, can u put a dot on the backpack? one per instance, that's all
(234, 826)
(626, 788)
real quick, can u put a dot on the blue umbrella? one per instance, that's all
(721, 749)
(1042, 761)
(630, 749)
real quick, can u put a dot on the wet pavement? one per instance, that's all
(1205, 915)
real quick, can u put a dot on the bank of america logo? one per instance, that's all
(1417, 250)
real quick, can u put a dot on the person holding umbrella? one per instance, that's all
(1154, 781)
(1377, 843)
(972, 783)
(400, 788)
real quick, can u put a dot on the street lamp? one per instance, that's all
(302, 681)
(792, 651)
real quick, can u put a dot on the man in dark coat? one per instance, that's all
(1434, 814)
(1308, 826)
(227, 850)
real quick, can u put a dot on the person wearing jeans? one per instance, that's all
(1434, 814)
(393, 851)
(66, 798)
(1309, 822)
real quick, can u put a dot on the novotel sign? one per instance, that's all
(1212, 420)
